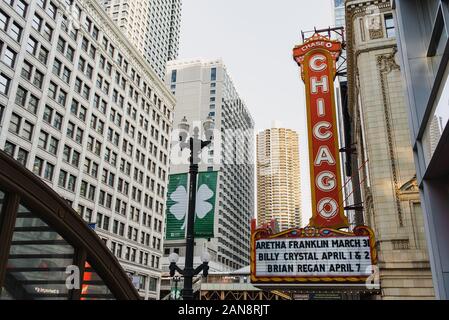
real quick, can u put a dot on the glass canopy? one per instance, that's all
(47, 251)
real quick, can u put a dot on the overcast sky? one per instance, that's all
(255, 39)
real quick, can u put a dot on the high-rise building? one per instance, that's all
(151, 25)
(339, 12)
(423, 47)
(339, 21)
(278, 178)
(380, 135)
(84, 111)
(204, 88)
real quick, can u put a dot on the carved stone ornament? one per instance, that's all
(374, 27)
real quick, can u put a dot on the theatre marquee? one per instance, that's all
(312, 255)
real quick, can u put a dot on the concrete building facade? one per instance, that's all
(152, 26)
(380, 131)
(84, 111)
(278, 178)
(422, 34)
(203, 88)
(349, 168)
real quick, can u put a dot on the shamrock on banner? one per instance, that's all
(177, 206)
(205, 204)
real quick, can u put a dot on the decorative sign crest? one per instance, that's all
(317, 58)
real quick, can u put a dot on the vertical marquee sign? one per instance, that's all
(317, 58)
(321, 253)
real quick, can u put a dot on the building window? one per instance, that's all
(27, 130)
(38, 166)
(43, 140)
(48, 112)
(38, 79)
(2, 110)
(52, 89)
(61, 45)
(53, 146)
(48, 173)
(14, 123)
(389, 26)
(47, 32)
(21, 96)
(27, 69)
(9, 57)
(66, 75)
(33, 103)
(21, 8)
(37, 22)
(57, 65)
(4, 84)
(71, 183)
(15, 32)
(32, 46)
(213, 74)
(62, 179)
(57, 121)
(4, 20)
(10, 148)
(43, 55)
(153, 283)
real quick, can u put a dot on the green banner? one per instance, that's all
(205, 204)
(177, 205)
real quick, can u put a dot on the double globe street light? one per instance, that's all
(195, 144)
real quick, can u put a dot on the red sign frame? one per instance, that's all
(317, 58)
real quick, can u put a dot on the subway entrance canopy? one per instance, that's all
(46, 246)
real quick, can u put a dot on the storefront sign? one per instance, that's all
(317, 58)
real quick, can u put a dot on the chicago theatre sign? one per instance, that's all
(322, 252)
(317, 58)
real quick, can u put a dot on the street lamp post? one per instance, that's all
(195, 145)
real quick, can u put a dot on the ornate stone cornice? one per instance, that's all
(357, 7)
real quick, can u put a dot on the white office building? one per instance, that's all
(81, 109)
(151, 25)
(204, 88)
